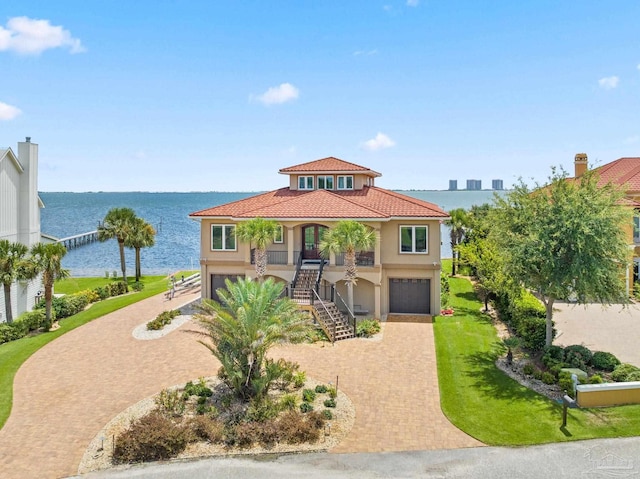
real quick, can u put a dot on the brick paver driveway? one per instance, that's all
(66, 392)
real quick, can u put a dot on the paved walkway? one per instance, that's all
(66, 392)
(600, 328)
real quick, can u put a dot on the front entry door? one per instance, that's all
(311, 237)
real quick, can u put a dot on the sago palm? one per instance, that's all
(259, 232)
(117, 224)
(47, 259)
(12, 257)
(141, 235)
(250, 319)
(348, 236)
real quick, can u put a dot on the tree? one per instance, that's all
(117, 224)
(12, 258)
(260, 232)
(47, 259)
(457, 226)
(565, 239)
(250, 319)
(348, 236)
(141, 235)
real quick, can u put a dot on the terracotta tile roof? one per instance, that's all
(329, 165)
(368, 203)
(624, 172)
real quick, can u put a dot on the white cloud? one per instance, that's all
(279, 94)
(413, 3)
(29, 36)
(8, 112)
(380, 142)
(608, 83)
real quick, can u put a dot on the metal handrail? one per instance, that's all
(298, 268)
(350, 315)
(324, 326)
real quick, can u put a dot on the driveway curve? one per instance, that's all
(68, 390)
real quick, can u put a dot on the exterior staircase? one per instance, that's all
(332, 320)
(303, 286)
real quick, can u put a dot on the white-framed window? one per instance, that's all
(345, 182)
(223, 237)
(414, 239)
(278, 237)
(325, 182)
(636, 229)
(305, 182)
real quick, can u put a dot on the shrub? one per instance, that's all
(296, 428)
(206, 428)
(199, 389)
(595, 379)
(329, 402)
(327, 414)
(308, 395)
(585, 353)
(537, 374)
(333, 392)
(102, 292)
(633, 376)
(137, 286)
(553, 355)
(90, 295)
(566, 384)
(299, 379)
(321, 388)
(285, 372)
(117, 288)
(533, 331)
(162, 320)
(288, 402)
(32, 320)
(528, 369)
(170, 401)
(247, 433)
(622, 371)
(150, 438)
(262, 410)
(306, 407)
(524, 306)
(548, 378)
(12, 331)
(367, 328)
(604, 361)
(203, 408)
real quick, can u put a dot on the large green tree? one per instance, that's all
(141, 235)
(348, 237)
(47, 259)
(117, 224)
(250, 319)
(260, 233)
(567, 238)
(12, 260)
(457, 223)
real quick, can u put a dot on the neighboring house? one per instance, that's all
(20, 214)
(625, 173)
(401, 274)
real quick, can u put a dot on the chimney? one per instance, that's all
(580, 164)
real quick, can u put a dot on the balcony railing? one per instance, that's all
(273, 257)
(363, 258)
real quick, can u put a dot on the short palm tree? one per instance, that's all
(142, 235)
(348, 236)
(117, 224)
(12, 258)
(457, 224)
(259, 232)
(47, 259)
(250, 319)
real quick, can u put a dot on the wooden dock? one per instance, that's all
(75, 241)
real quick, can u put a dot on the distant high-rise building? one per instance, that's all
(453, 185)
(474, 184)
(497, 185)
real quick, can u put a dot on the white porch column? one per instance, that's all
(290, 259)
(377, 249)
(377, 307)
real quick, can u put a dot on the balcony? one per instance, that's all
(363, 258)
(273, 257)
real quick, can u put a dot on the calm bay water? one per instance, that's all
(178, 237)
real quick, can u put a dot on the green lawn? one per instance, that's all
(485, 403)
(13, 354)
(73, 285)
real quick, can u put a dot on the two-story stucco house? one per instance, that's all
(20, 215)
(401, 274)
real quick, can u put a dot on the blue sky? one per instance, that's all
(219, 95)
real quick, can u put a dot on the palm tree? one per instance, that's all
(117, 224)
(12, 258)
(142, 235)
(347, 237)
(261, 233)
(47, 259)
(457, 227)
(250, 319)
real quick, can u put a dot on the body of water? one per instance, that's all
(178, 237)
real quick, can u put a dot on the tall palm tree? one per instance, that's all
(259, 232)
(12, 258)
(457, 224)
(249, 320)
(117, 224)
(142, 235)
(348, 236)
(47, 259)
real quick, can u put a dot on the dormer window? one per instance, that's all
(325, 182)
(305, 182)
(345, 182)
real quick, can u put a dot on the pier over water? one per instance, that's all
(75, 241)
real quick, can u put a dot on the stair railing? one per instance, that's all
(315, 300)
(295, 276)
(337, 299)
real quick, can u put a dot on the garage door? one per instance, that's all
(218, 281)
(410, 296)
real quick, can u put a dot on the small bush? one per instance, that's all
(288, 402)
(532, 332)
(308, 395)
(199, 389)
(329, 403)
(321, 388)
(528, 369)
(102, 292)
(117, 288)
(151, 438)
(604, 361)
(553, 355)
(566, 384)
(206, 428)
(621, 373)
(595, 379)
(585, 354)
(169, 401)
(285, 373)
(90, 295)
(261, 411)
(332, 392)
(306, 407)
(367, 328)
(296, 428)
(32, 320)
(633, 376)
(162, 320)
(548, 378)
(137, 286)
(299, 379)
(537, 374)
(12, 331)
